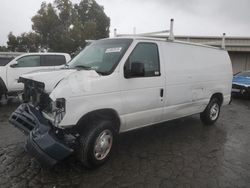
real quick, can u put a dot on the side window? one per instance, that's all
(52, 60)
(5, 60)
(29, 61)
(145, 54)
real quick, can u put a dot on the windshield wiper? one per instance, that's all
(66, 66)
(89, 68)
(102, 73)
(83, 67)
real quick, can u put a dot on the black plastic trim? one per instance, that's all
(3, 88)
(38, 153)
(41, 140)
(241, 89)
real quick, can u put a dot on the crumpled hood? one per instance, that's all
(241, 80)
(68, 77)
(49, 77)
(77, 84)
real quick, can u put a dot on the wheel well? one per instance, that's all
(218, 96)
(103, 114)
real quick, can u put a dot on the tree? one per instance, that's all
(12, 42)
(63, 27)
(3, 49)
(47, 24)
(89, 11)
(27, 42)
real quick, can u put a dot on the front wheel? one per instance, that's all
(210, 115)
(96, 144)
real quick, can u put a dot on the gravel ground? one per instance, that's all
(180, 153)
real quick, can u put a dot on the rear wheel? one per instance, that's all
(210, 115)
(97, 143)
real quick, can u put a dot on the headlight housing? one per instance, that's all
(60, 103)
(58, 110)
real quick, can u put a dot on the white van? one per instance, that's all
(117, 85)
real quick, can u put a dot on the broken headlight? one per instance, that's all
(58, 109)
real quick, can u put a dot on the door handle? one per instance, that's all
(161, 92)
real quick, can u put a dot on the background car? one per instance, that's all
(12, 68)
(241, 84)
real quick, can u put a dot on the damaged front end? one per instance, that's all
(38, 118)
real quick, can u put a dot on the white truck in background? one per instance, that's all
(12, 69)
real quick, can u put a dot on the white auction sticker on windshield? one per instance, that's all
(112, 50)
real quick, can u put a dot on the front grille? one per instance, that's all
(34, 93)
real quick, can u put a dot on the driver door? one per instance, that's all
(143, 93)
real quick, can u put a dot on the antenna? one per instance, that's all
(115, 32)
(171, 31)
(223, 42)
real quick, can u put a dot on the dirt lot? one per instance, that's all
(180, 153)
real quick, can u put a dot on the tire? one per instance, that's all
(210, 115)
(2, 94)
(96, 145)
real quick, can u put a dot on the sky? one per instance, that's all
(192, 17)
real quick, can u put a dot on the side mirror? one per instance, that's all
(137, 70)
(13, 65)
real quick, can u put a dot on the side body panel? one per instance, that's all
(193, 75)
(142, 101)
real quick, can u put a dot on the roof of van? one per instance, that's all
(166, 40)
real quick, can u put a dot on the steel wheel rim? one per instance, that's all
(103, 144)
(214, 112)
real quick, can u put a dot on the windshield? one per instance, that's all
(101, 56)
(5, 60)
(245, 74)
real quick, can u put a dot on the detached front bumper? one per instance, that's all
(41, 140)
